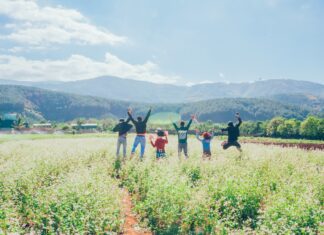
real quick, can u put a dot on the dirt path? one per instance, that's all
(131, 226)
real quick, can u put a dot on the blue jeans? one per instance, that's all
(139, 140)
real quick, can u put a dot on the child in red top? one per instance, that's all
(159, 143)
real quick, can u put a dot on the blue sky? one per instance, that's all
(168, 41)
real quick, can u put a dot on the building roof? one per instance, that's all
(10, 117)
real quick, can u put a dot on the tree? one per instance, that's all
(309, 128)
(321, 129)
(272, 127)
(289, 128)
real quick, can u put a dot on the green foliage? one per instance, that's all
(52, 188)
(312, 127)
(271, 191)
(70, 186)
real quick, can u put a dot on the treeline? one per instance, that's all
(310, 128)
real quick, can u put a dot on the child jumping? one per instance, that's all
(159, 143)
(206, 140)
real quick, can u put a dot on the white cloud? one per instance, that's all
(39, 26)
(78, 67)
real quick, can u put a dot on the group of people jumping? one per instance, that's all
(160, 140)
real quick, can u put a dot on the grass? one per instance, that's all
(69, 185)
(164, 118)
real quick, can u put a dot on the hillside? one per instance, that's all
(39, 104)
(139, 91)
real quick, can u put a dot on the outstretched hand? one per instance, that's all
(192, 116)
(237, 115)
(129, 110)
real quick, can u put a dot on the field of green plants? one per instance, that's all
(75, 186)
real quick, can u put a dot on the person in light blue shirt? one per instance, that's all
(205, 140)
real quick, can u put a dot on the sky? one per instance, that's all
(169, 41)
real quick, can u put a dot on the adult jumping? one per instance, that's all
(122, 128)
(233, 134)
(182, 132)
(140, 126)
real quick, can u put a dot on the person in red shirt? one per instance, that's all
(159, 143)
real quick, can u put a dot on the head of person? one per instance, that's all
(230, 124)
(121, 120)
(182, 123)
(139, 119)
(206, 135)
(160, 133)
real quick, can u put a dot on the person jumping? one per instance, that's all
(140, 126)
(206, 140)
(182, 132)
(159, 143)
(122, 128)
(233, 134)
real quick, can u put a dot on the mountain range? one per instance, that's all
(140, 91)
(38, 104)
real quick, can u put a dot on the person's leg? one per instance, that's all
(238, 146)
(124, 147)
(143, 143)
(226, 145)
(179, 149)
(185, 149)
(118, 147)
(136, 142)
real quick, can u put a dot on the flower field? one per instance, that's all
(75, 185)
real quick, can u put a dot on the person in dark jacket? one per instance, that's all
(140, 126)
(122, 128)
(182, 132)
(233, 134)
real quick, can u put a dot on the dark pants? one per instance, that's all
(226, 145)
(183, 147)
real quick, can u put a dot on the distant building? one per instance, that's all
(85, 126)
(42, 125)
(9, 120)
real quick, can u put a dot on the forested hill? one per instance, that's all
(140, 91)
(40, 104)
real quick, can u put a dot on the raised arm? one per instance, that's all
(189, 124)
(198, 138)
(131, 117)
(128, 119)
(212, 135)
(175, 126)
(192, 117)
(147, 115)
(239, 122)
